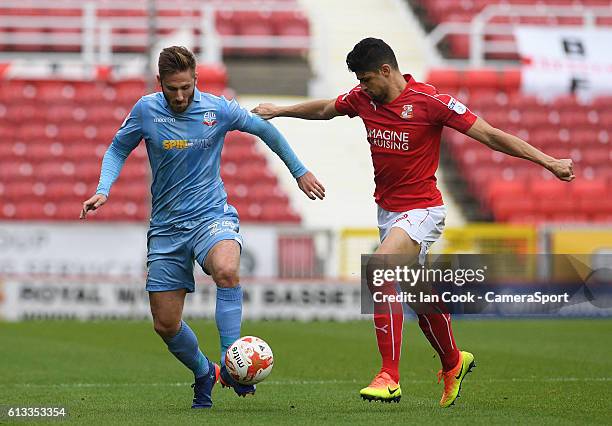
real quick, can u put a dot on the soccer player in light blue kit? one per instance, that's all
(184, 131)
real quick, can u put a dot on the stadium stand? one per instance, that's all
(59, 26)
(54, 134)
(497, 28)
(55, 131)
(513, 190)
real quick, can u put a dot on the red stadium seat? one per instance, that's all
(548, 188)
(589, 188)
(551, 205)
(444, 77)
(510, 79)
(506, 189)
(213, 75)
(597, 156)
(506, 208)
(594, 205)
(481, 78)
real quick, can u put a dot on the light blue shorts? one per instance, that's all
(173, 250)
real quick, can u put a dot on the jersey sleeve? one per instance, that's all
(444, 110)
(126, 139)
(235, 116)
(346, 104)
(130, 133)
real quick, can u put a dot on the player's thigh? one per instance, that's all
(216, 247)
(167, 310)
(412, 232)
(398, 241)
(396, 250)
(223, 263)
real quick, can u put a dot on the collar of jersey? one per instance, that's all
(409, 81)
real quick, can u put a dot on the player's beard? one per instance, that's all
(180, 109)
(379, 97)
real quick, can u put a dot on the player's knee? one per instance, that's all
(166, 328)
(226, 277)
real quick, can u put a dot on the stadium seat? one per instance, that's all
(548, 188)
(212, 75)
(445, 78)
(130, 35)
(506, 189)
(506, 208)
(481, 78)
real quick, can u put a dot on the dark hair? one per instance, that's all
(175, 59)
(369, 55)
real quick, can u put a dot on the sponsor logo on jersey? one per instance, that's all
(210, 118)
(164, 120)
(168, 144)
(373, 105)
(407, 112)
(455, 105)
(389, 139)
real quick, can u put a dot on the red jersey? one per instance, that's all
(404, 138)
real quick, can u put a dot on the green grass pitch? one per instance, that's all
(528, 371)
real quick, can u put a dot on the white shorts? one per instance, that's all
(422, 225)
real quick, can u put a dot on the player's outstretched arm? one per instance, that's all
(323, 109)
(306, 181)
(509, 144)
(112, 163)
(241, 119)
(126, 139)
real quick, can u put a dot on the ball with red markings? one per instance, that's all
(249, 360)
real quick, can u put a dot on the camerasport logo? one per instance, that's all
(210, 118)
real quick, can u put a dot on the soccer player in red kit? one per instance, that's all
(404, 121)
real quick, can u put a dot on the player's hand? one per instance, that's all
(310, 186)
(92, 204)
(266, 111)
(563, 169)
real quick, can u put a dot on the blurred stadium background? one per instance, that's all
(71, 70)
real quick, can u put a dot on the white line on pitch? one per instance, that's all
(306, 382)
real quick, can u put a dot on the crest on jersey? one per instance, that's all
(407, 112)
(210, 118)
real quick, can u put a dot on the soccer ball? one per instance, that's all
(249, 360)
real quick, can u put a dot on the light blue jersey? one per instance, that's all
(185, 152)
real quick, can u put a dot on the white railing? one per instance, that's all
(480, 27)
(96, 34)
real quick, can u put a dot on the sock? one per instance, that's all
(228, 316)
(437, 328)
(184, 346)
(388, 322)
